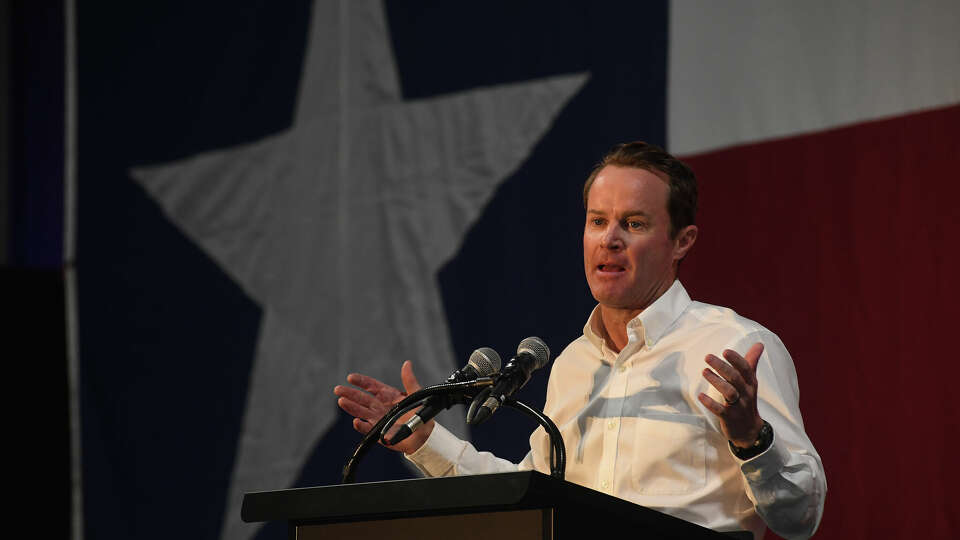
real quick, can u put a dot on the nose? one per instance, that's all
(611, 238)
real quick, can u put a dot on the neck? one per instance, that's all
(612, 324)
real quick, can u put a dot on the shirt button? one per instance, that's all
(604, 484)
(622, 368)
(611, 424)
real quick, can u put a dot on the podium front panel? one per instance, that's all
(535, 524)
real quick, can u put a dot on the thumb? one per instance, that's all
(753, 357)
(410, 382)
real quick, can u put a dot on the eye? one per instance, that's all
(635, 225)
(596, 221)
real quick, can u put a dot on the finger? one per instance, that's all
(711, 404)
(366, 382)
(753, 358)
(360, 397)
(385, 392)
(729, 393)
(728, 372)
(357, 410)
(362, 426)
(739, 363)
(410, 382)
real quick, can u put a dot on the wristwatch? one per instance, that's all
(764, 440)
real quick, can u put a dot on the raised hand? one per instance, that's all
(737, 383)
(372, 399)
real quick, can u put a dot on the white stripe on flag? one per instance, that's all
(741, 72)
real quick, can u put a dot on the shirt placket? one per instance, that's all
(615, 392)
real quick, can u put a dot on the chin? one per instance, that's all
(611, 300)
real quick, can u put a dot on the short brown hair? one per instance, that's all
(682, 202)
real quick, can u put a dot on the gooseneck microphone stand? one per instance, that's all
(558, 452)
(456, 393)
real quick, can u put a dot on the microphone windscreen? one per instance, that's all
(537, 348)
(486, 361)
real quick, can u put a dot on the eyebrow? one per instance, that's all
(628, 213)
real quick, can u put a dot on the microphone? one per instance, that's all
(532, 354)
(484, 362)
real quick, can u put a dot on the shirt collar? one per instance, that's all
(652, 322)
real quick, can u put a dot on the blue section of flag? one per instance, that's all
(167, 339)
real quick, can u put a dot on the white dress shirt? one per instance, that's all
(634, 428)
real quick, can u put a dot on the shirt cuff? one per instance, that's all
(766, 464)
(438, 453)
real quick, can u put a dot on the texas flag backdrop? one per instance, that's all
(273, 195)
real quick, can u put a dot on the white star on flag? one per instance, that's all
(337, 227)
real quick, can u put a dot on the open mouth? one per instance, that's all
(610, 268)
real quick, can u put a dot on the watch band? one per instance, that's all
(764, 440)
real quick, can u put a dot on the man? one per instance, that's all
(647, 410)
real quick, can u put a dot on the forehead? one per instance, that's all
(617, 188)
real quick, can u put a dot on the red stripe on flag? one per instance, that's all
(847, 244)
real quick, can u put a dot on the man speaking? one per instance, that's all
(676, 405)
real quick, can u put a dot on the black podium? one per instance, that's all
(521, 505)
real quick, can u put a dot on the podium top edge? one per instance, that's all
(351, 501)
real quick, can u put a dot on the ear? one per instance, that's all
(684, 241)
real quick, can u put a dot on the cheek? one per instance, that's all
(650, 254)
(589, 243)
(660, 254)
